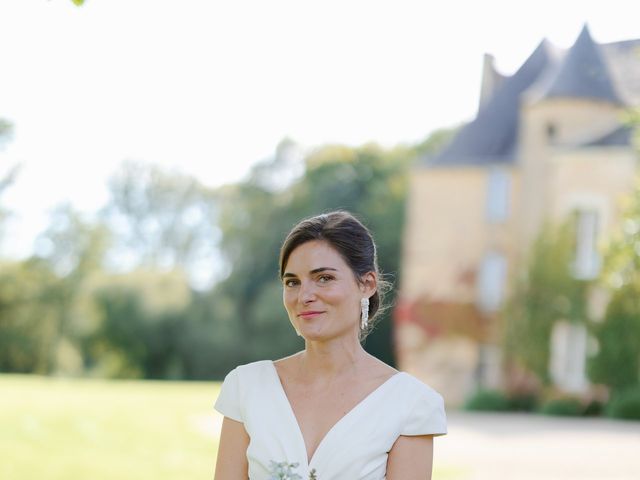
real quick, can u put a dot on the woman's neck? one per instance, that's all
(321, 364)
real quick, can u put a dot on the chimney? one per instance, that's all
(491, 80)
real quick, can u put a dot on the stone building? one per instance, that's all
(547, 141)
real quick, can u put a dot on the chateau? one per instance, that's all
(548, 141)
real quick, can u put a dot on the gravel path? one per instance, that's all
(483, 446)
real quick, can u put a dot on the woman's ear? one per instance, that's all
(369, 284)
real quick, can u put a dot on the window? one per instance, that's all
(551, 132)
(491, 281)
(497, 195)
(488, 370)
(567, 364)
(587, 260)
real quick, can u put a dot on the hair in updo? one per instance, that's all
(351, 240)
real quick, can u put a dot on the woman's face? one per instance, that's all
(320, 291)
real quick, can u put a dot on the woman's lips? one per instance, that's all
(310, 314)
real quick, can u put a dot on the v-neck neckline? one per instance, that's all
(335, 425)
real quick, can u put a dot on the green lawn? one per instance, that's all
(95, 429)
(57, 429)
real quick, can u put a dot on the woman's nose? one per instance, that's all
(307, 292)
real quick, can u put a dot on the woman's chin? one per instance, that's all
(309, 332)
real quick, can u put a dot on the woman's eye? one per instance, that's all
(324, 278)
(290, 283)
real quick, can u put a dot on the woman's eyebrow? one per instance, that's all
(322, 269)
(312, 272)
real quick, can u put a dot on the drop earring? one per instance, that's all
(364, 313)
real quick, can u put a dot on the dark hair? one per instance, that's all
(351, 240)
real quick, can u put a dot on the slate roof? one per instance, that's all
(584, 73)
(608, 72)
(621, 136)
(623, 62)
(491, 136)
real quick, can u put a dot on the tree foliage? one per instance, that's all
(622, 259)
(113, 294)
(27, 324)
(73, 249)
(161, 220)
(547, 292)
(617, 362)
(8, 177)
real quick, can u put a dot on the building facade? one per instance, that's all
(547, 142)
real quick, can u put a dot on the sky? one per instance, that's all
(208, 88)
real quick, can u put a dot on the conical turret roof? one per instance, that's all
(584, 73)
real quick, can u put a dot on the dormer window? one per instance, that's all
(551, 132)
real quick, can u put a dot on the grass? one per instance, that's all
(55, 429)
(66, 429)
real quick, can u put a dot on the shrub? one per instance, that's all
(569, 407)
(593, 409)
(617, 362)
(524, 402)
(625, 404)
(487, 400)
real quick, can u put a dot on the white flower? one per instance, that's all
(283, 471)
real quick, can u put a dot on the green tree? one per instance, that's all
(9, 176)
(622, 258)
(546, 293)
(436, 140)
(73, 248)
(617, 362)
(161, 220)
(152, 325)
(27, 324)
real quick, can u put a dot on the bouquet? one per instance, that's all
(284, 471)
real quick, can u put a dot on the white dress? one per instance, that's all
(355, 448)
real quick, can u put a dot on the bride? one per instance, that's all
(331, 411)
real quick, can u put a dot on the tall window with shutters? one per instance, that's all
(491, 281)
(587, 260)
(498, 187)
